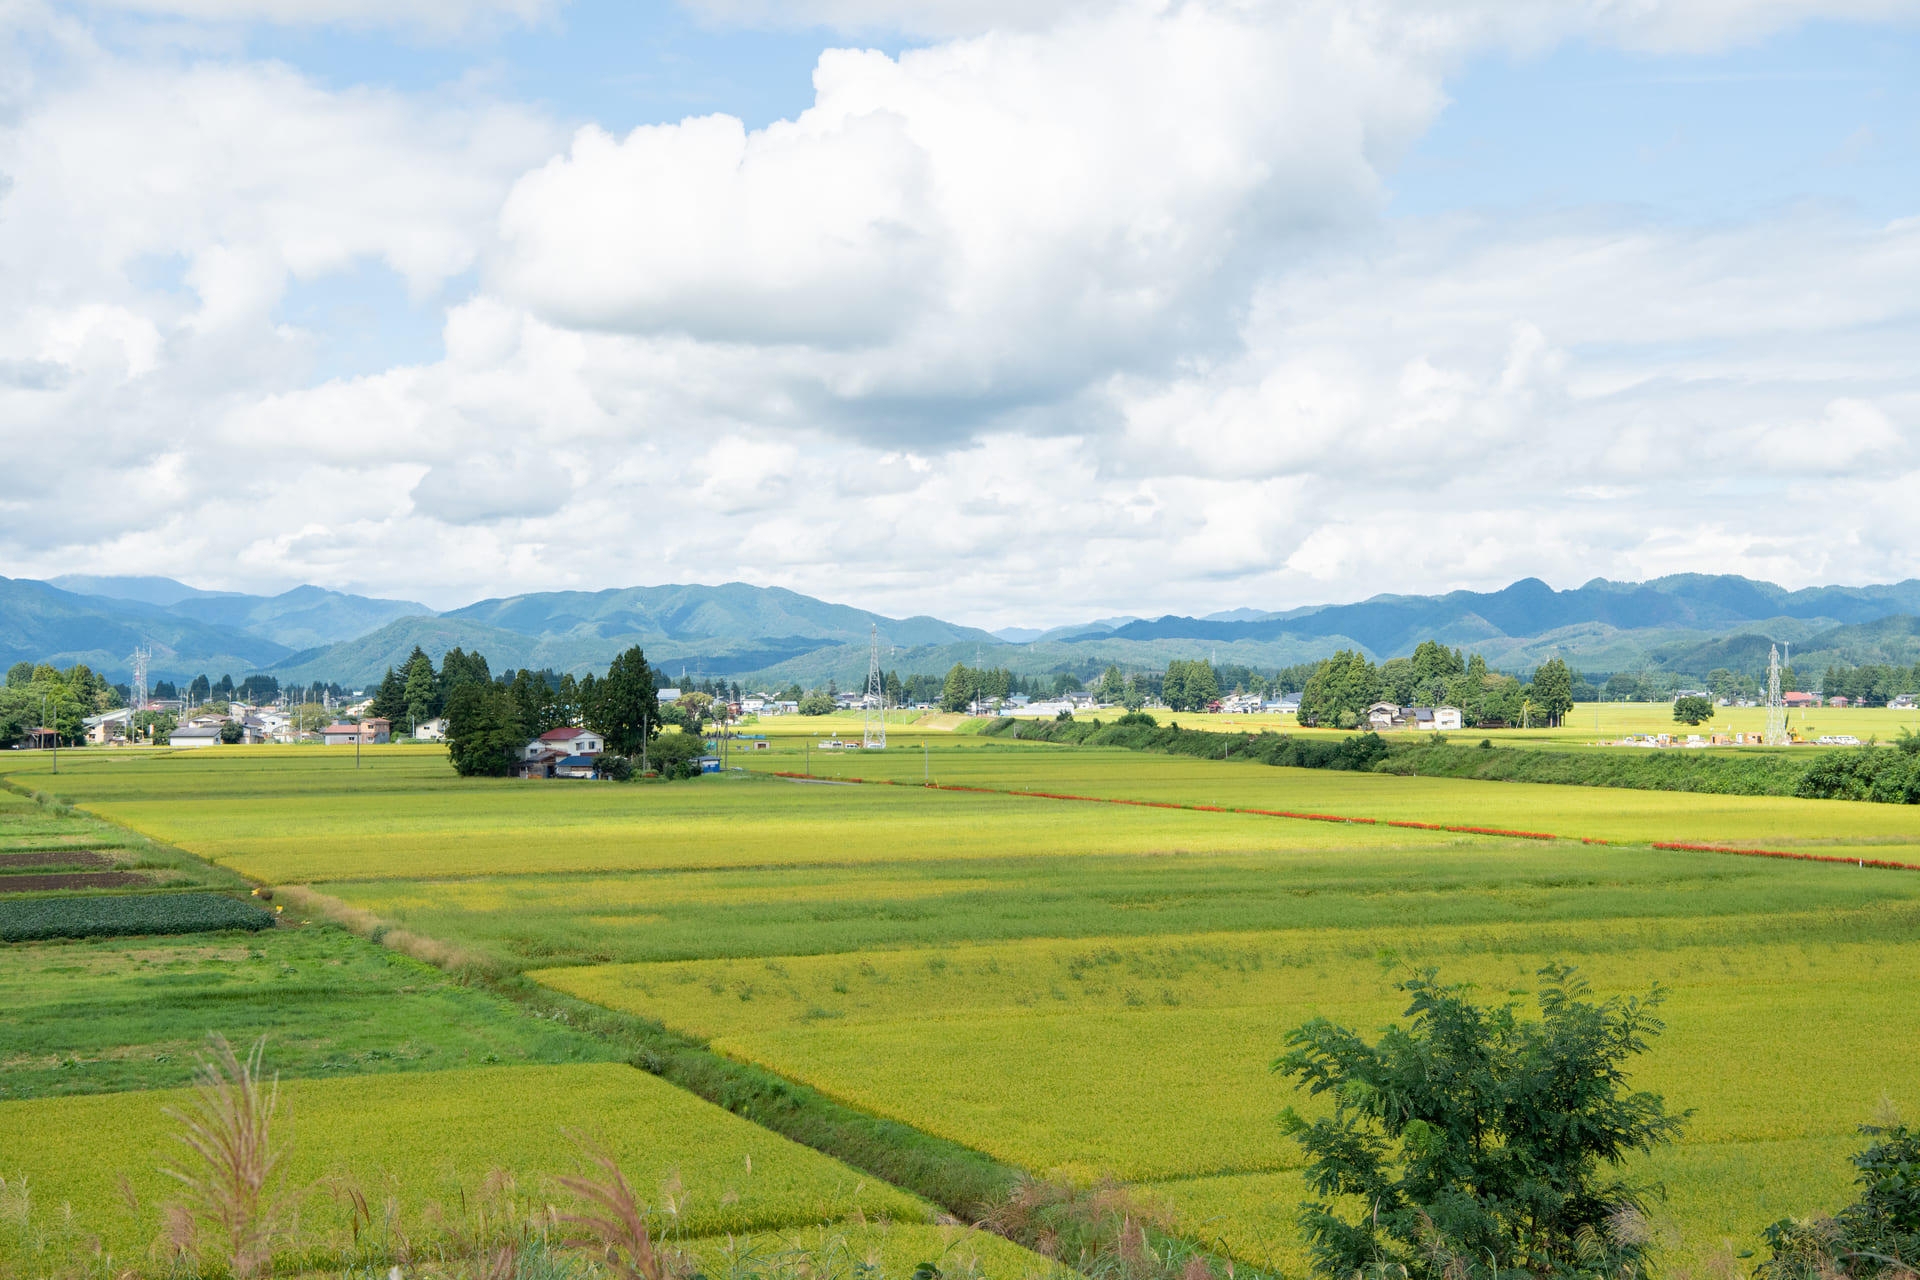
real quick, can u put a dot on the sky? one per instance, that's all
(1011, 313)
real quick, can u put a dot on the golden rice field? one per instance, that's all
(1611, 814)
(289, 815)
(1099, 988)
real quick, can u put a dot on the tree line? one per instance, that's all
(491, 719)
(40, 695)
(1341, 689)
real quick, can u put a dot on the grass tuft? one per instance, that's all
(236, 1202)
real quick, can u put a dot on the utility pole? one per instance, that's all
(643, 743)
(926, 758)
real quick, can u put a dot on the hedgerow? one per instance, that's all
(126, 915)
(1866, 773)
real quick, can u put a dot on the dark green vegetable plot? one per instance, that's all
(124, 916)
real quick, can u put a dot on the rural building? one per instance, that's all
(569, 741)
(1435, 719)
(1904, 702)
(537, 765)
(431, 730)
(196, 735)
(1798, 699)
(109, 726)
(574, 767)
(1385, 715)
(367, 733)
(669, 696)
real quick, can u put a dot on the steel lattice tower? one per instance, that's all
(140, 659)
(875, 701)
(1776, 735)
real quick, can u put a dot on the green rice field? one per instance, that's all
(1097, 988)
(420, 1145)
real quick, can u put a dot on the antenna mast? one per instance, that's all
(875, 701)
(1776, 735)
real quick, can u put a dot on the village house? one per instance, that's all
(367, 733)
(196, 735)
(434, 730)
(569, 741)
(109, 726)
(1383, 716)
(1435, 719)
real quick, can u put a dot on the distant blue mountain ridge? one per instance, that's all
(737, 630)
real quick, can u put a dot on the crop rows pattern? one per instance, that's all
(124, 915)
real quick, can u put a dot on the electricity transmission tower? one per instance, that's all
(1776, 735)
(141, 657)
(875, 701)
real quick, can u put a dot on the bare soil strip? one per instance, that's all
(71, 880)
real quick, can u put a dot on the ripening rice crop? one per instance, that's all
(324, 823)
(888, 1251)
(1611, 814)
(434, 1139)
(1170, 1085)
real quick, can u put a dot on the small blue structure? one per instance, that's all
(709, 764)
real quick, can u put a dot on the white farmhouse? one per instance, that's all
(568, 741)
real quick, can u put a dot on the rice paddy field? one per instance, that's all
(1066, 984)
(428, 1147)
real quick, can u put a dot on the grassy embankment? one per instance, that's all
(1100, 987)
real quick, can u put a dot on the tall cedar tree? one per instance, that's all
(389, 700)
(422, 689)
(485, 734)
(459, 667)
(1553, 691)
(958, 690)
(626, 707)
(1476, 1145)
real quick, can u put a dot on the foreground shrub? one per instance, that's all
(1867, 773)
(1475, 1145)
(1877, 1235)
(1099, 1229)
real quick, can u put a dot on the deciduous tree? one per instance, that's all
(1478, 1145)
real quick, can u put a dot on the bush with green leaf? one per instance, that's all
(1473, 1144)
(1876, 1236)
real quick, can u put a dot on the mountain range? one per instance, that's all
(1686, 623)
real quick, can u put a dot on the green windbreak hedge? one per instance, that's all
(126, 916)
